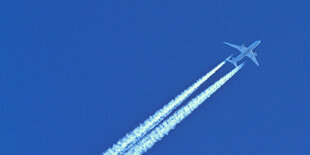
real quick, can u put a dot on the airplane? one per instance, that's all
(245, 51)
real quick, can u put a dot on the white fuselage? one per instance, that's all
(246, 51)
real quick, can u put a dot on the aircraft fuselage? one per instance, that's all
(247, 51)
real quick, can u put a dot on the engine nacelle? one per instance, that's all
(255, 54)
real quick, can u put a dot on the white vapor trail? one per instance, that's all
(130, 139)
(163, 129)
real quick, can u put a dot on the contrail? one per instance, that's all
(160, 131)
(130, 139)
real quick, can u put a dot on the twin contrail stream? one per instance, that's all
(159, 132)
(130, 139)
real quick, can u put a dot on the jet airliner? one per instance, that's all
(245, 51)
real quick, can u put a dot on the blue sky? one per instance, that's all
(78, 75)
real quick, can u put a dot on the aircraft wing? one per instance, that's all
(240, 48)
(253, 58)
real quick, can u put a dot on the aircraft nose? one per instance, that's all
(258, 41)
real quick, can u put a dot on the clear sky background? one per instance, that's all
(76, 76)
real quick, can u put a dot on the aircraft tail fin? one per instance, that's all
(232, 61)
(228, 58)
